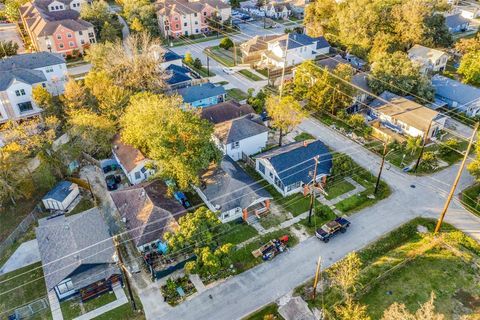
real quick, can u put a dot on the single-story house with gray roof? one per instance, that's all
(244, 135)
(78, 255)
(457, 95)
(228, 190)
(290, 168)
(61, 196)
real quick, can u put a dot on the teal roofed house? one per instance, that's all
(203, 95)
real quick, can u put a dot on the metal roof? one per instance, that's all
(60, 191)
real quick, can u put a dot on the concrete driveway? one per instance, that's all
(253, 289)
(26, 254)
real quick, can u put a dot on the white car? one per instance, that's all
(228, 70)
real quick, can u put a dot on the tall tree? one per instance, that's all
(436, 32)
(76, 97)
(140, 15)
(286, 113)
(13, 159)
(320, 17)
(468, 45)
(195, 230)
(8, 48)
(351, 310)
(177, 140)
(133, 65)
(344, 273)
(396, 73)
(92, 132)
(106, 24)
(470, 68)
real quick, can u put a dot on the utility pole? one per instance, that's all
(381, 167)
(424, 142)
(234, 53)
(312, 192)
(208, 66)
(317, 273)
(124, 273)
(457, 179)
(284, 66)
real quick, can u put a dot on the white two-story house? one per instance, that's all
(293, 49)
(20, 74)
(428, 59)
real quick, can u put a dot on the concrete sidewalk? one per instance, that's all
(26, 254)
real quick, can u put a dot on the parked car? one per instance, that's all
(112, 182)
(332, 228)
(228, 70)
(110, 167)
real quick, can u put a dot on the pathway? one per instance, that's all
(54, 306)
(197, 282)
(121, 300)
(332, 202)
(26, 254)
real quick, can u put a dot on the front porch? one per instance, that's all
(256, 211)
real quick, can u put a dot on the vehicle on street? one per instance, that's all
(228, 70)
(332, 228)
(271, 249)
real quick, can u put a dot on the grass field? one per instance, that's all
(74, 308)
(250, 75)
(270, 310)
(20, 287)
(338, 188)
(405, 266)
(236, 94)
(470, 198)
(235, 233)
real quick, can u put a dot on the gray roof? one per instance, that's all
(60, 191)
(66, 243)
(200, 92)
(296, 40)
(332, 62)
(455, 20)
(228, 187)
(31, 61)
(239, 129)
(22, 75)
(148, 210)
(294, 162)
(454, 90)
(225, 111)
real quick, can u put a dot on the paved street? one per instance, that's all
(240, 295)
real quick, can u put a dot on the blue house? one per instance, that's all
(202, 95)
(457, 95)
(289, 168)
(456, 23)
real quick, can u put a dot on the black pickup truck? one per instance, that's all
(330, 229)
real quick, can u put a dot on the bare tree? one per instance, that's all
(344, 273)
(426, 311)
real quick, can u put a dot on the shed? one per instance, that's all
(61, 196)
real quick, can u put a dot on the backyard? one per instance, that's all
(406, 265)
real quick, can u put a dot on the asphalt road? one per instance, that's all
(242, 294)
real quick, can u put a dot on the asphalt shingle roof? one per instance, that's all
(296, 40)
(66, 243)
(455, 90)
(238, 129)
(200, 92)
(148, 211)
(31, 61)
(170, 56)
(229, 187)
(225, 111)
(455, 20)
(178, 74)
(60, 191)
(294, 162)
(22, 75)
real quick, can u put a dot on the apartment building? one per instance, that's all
(178, 18)
(55, 26)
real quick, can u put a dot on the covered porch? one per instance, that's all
(256, 210)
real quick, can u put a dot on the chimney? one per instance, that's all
(305, 143)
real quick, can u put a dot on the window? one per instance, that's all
(60, 45)
(176, 18)
(65, 287)
(44, 85)
(184, 24)
(82, 41)
(69, 35)
(143, 170)
(91, 35)
(80, 32)
(196, 22)
(49, 69)
(195, 14)
(261, 167)
(59, 36)
(293, 186)
(236, 145)
(70, 44)
(137, 175)
(92, 40)
(20, 92)
(176, 26)
(25, 106)
(196, 30)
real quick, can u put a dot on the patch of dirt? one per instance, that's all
(467, 299)
(300, 233)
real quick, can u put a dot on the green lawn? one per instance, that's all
(73, 308)
(470, 198)
(26, 284)
(243, 259)
(271, 309)
(203, 72)
(225, 57)
(272, 220)
(236, 94)
(296, 203)
(337, 188)
(85, 203)
(124, 312)
(250, 75)
(235, 232)
(29, 235)
(322, 215)
(304, 136)
(409, 266)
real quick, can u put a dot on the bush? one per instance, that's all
(226, 43)
(197, 63)
(448, 147)
(188, 58)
